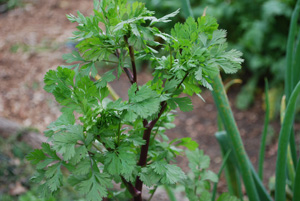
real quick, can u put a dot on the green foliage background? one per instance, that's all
(258, 28)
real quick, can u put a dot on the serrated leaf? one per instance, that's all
(218, 37)
(145, 102)
(159, 167)
(83, 168)
(132, 90)
(142, 94)
(107, 77)
(209, 175)
(148, 178)
(136, 140)
(173, 175)
(171, 85)
(197, 160)
(65, 119)
(47, 150)
(95, 187)
(165, 18)
(230, 61)
(52, 170)
(72, 57)
(112, 163)
(211, 69)
(188, 143)
(185, 104)
(36, 156)
(55, 182)
(88, 69)
(130, 116)
(65, 142)
(227, 197)
(80, 153)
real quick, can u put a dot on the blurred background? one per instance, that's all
(34, 35)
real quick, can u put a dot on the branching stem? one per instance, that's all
(144, 149)
(131, 54)
(126, 70)
(119, 133)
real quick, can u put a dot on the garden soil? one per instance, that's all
(35, 35)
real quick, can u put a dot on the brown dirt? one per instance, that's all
(32, 40)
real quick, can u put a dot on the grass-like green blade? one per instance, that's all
(186, 8)
(283, 145)
(292, 68)
(290, 168)
(229, 123)
(290, 52)
(290, 163)
(261, 190)
(296, 62)
(214, 192)
(264, 135)
(225, 144)
(296, 194)
(232, 167)
(170, 193)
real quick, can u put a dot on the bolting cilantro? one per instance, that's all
(99, 141)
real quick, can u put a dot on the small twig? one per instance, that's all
(129, 75)
(119, 133)
(112, 92)
(131, 53)
(152, 193)
(182, 80)
(133, 191)
(126, 70)
(109, 61)
(147, 133)
(98, 148)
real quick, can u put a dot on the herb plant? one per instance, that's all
(99, 141)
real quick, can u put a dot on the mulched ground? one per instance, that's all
(32, 40)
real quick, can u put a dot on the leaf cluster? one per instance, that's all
(97, 141)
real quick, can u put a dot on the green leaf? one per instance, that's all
(80, 153)
(36, 156)
(88, 69)
(72, 57)
(218, 37)
(170, 86)
(185, 104)
(65, 142)
(47, 150)
(227, 197)
(165, 173)
(144, 103)
(197, 160)
(121, 163)
(136, 140)
(52, 170)
(187, 142)
(230, 61)
(148, 178)
(62, 78)
(113, 163)
(56, 181)
(65, 119)
(209, 175)
(165, 18)
(107, 77)
(159, 167)
(142, 94)
(95, 187)
(173, 175)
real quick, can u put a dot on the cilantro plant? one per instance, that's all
(101, 142)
